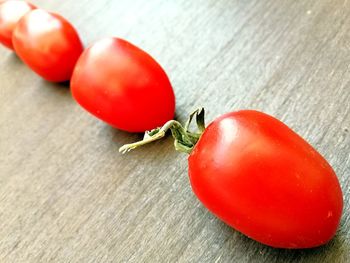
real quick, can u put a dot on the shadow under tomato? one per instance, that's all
(63, 84)
(333, 251)
(13, 59)
(120, 137)
(60, 88)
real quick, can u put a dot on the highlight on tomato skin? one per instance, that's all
(264, 180)
(11, 11)
(48, 44)
(123, 86)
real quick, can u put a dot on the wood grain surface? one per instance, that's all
(67, 195)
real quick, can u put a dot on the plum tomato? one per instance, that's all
(123, 85)
(260, 177)
(263, 179)
(48, 44)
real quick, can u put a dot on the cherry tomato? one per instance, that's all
(123, 85)
(10, 13)
(48, 44)
(264, 180)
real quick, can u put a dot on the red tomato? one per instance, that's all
(48, 44)
(123, 86)
(263, 179)
(10, 13)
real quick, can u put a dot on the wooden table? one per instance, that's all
(67, 195)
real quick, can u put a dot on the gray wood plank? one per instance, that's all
(66, 195)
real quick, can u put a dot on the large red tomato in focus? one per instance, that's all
(11, 12)
(123, 85)
(48, 44)
(264, 180)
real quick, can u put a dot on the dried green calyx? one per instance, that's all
(185, 140)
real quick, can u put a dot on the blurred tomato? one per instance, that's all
(11, 12)
(48, 44)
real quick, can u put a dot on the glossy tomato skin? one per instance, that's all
(11, 12)
(264, 180)
(48, 44)
(123, 85)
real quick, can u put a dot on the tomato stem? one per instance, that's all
(185, 140)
